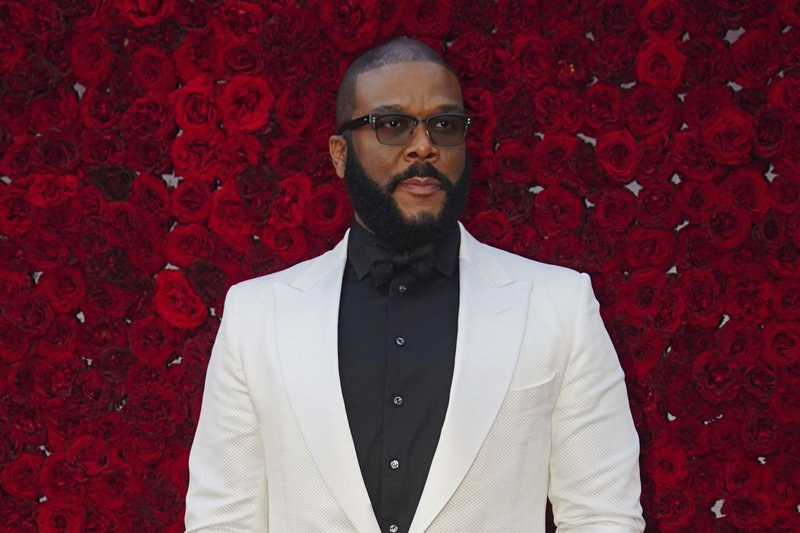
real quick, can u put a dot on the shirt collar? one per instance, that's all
(446, 260)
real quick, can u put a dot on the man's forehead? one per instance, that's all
(405, 79)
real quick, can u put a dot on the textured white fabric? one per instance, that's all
(538, 407)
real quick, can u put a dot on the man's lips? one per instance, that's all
(420, 186)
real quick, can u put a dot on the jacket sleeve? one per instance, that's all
(594, 461)
(227, 474)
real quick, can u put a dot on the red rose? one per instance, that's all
(98, 110)
(749, 510)
(514, 160)
(784, 94)
(146, 254)
(557, 110)
(786, 300)
(693, 158)
(718, 377)
(668, 465)
(649, 247)
(642, 291)
(656, 207)
(188, 243)
(698, 200)
(146, 12)
(227, 214)
(749, 189)
(237, 57)
(238, 153)
(56, 112)
(530, 52)
(53, 377)
(60, 339)
(148, 117)
(416, 21)
(103, 298)
(650, 111)
(557, 211)
(672, 510)
(14, 343)
(760, 382)
(31, 312)
(782, 343)
(64, 287)
(288, 208)
(614, 210)
(618, 154)
(748, 298)
(705, 102)
(662, 19)
(150, 195)
(191, 201)
(492, 228)
(659, 63)
(707, 60)
(293, 111)
(611, 57)
(728, 227)
(640, 352)
(554, 159)
(289, 244)
(728, 136)
(210, 281)
(195, 105)
(602, 108)
(112, 488)
(328, 209)
(774, 132)
(20, 477)
(195, 55)
(176, 302)
(526, 240)
(195, 154)
(246, 102)
(153, 69)
(157, 410)
(257, 188)
(91, 58)
(703, 296)
(755, 59)
(238, 20)
(12, 49)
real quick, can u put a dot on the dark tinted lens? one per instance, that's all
(393, 129)
(447, 130)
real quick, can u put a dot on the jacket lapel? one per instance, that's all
(307, 333)
(492, 313)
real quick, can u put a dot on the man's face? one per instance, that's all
(418, 179)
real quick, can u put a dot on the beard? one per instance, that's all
(380, 213)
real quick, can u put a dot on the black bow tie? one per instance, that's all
(385, 262)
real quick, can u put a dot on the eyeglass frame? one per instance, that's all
(372, 120)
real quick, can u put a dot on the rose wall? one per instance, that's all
(153, 153)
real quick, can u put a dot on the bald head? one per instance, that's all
(395, 51)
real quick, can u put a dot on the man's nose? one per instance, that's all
(420, 147)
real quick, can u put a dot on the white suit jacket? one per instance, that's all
(537, 408)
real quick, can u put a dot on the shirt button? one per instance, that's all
(401, 289)
(398, 400)
(393, 529)
(400, 341)
(395, 464)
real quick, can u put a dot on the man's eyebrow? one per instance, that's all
(394, 108)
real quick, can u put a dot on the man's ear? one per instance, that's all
(338, 149)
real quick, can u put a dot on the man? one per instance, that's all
(412, 379)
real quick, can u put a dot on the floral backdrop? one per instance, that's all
(154, 152)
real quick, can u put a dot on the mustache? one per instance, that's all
(421, 170)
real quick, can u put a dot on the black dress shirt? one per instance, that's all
(396, 353)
